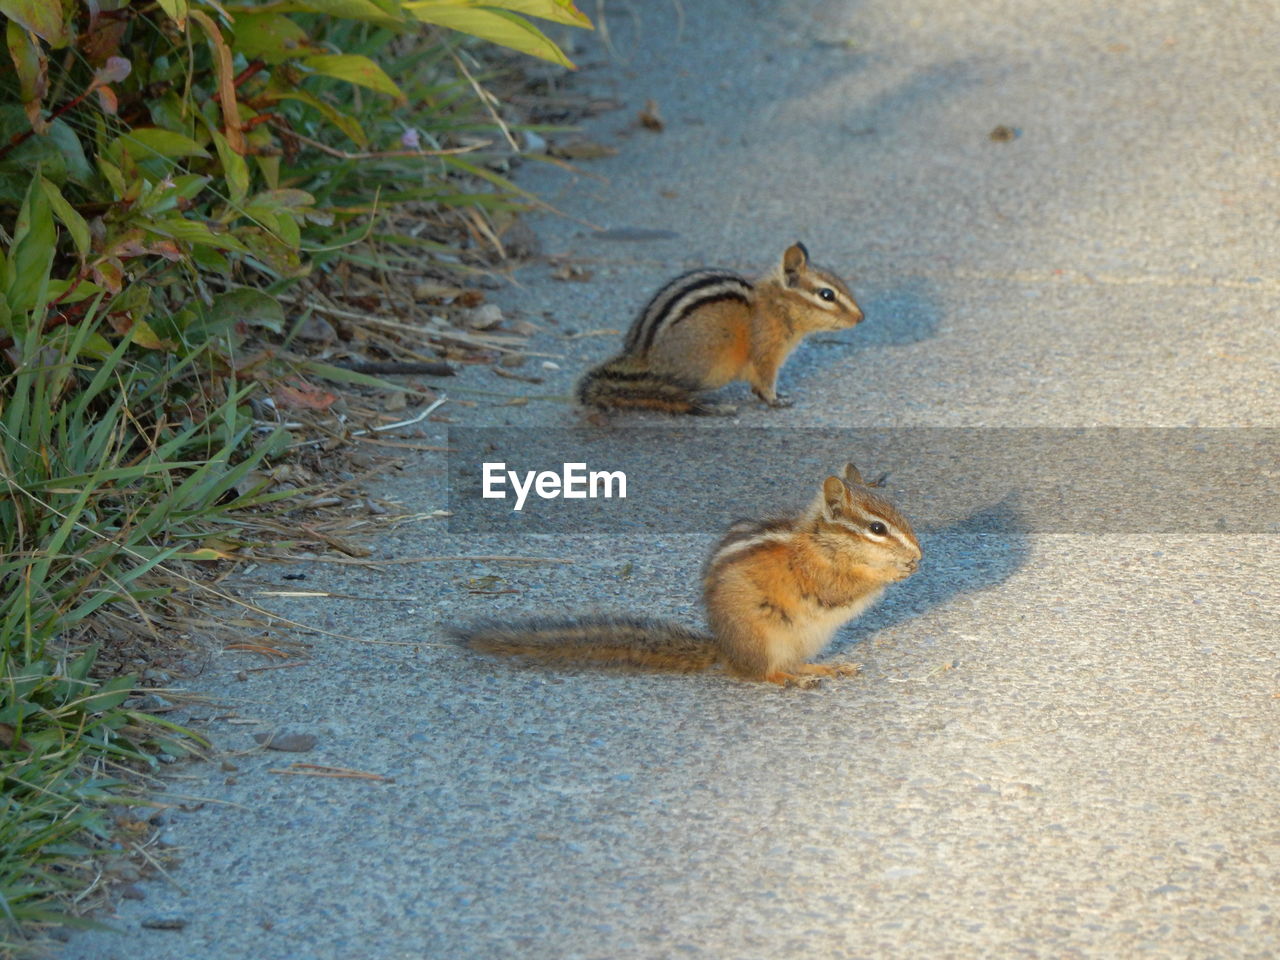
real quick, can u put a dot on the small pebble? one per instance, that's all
(287, 742)
(484, 317)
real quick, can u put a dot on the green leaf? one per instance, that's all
(250, 306)
(113, 175)
(270, 168)
(287, 229)
(274, 254)
(41, 17)
(72, 220)
(171, 112)
(497, 26)
(146, 142)
(296, 201)
(196, 234)
(280, 212)
(108, 696)
(356, 69)
(559, 11)
(29, 60)
(347, 10)
(72, 151)
(167, 196)
(31, 255)
(63, 291)
(57, 154)
(176, 9)
(269, 37)
(343, 375)
(134, 298)
(234, 168)
(78, 669)
(210, 260)
(144, 335)
(347, 124)
(95, 345)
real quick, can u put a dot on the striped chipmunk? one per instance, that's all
(707, 328)
(776, 591)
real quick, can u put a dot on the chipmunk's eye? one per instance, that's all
(878, 528)
(826, 293)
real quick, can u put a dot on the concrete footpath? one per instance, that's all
(1062, 745)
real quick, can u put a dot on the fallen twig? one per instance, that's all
(495, 558)
(279, 666)
(511, 375)
(320, 770)
(384, 368)
(405, 445)
(257, 648)
(325, 594)
(163, 872)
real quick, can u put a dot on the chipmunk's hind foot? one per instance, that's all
(830, 669)
(784, 679)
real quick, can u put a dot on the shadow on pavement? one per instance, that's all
(958, 560)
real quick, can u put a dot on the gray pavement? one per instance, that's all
(1061, 746)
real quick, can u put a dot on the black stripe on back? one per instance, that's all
(690, 307)
(645, 327)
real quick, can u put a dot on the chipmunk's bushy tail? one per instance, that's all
(624, 382)
(629, 641)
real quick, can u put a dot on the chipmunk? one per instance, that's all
(709, 327)
(776, 591)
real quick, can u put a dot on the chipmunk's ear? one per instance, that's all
(794, 259)
(853, 477)
(834, 494)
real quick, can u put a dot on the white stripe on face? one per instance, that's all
(862, 526)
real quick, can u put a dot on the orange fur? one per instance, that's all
(775, 591)
(710, 328)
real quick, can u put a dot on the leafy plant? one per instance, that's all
(101, 486)
(196, 140)
(167, 169)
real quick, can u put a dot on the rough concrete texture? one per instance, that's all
(1062, 746)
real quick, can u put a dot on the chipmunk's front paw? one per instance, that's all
(830, 669)
(805, 681)
(771, 399)
(845, 669)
